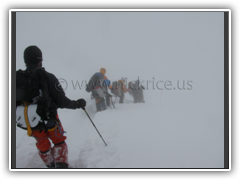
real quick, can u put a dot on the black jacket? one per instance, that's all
(57, 94)
(57, 98)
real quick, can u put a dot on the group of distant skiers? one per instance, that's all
(99, 84)
(39, 94)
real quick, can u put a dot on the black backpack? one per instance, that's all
(31, 87)
(93, 82)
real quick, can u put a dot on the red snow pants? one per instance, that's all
(55, 135)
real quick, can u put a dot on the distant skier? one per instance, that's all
(119, 88)
(136, 90)
(39, 89)
(97, 85)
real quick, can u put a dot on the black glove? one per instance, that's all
(81, 103)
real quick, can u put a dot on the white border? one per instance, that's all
(125, 10)
(230, 90)
(10, 87)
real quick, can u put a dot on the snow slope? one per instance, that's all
(155, 134)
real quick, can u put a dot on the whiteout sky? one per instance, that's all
(164, 45)
(185, 48)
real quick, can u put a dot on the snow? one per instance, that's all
(175, 127)
(142, 135)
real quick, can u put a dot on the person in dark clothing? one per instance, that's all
(136, 90)
(50, 128)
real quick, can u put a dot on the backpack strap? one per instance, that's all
(29, 130)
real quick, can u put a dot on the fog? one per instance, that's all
(185, 48)
(178, 57)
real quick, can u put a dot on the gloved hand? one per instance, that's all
(81, 103)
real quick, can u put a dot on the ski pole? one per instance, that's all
(94, 125)
(115, 99)
(112, 103)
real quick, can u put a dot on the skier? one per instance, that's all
(95, 85)
(136, 90)
(51, 127)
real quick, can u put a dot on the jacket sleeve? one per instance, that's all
(57, 94)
